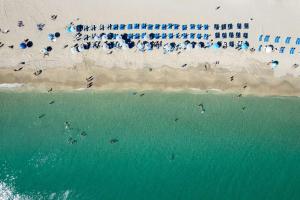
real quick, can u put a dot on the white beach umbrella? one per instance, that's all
(269, 49)
(80, 49)
(148, 47)
(105, 47)
(97, 38)
(119, 38)
(189, 46)
(140, 46)
(43, 51)
(104, 37)
(73, 50)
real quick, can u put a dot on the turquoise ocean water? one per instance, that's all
(156, 146)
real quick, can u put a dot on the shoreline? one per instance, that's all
(164, 79)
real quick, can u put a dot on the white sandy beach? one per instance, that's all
(129, 69)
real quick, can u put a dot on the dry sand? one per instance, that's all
(130, 69)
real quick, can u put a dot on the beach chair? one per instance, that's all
(130, 36)
(122, 26)
(86, 28)
(216, 26)
(109, 27)
(231, 43)
(206, 27)
(238, 34)
(192, 36)
(170, 26)
(281, 50)
(199, 26)
(143, 35)
(277, 39)
(292, 51)
(163, 36)
(217, 35)
(260, 38)
(246, 25)
(177, 36)
(298, 41)
(184, 35)
(136, 36)
(230, 26)
(288, 40)
(223, 26)
(224, 35)
(267, 38)
(101, 27)
(239, 26)
(164, 27)
(129, 26)
(231, 35)
(199, 36)
(176, 26)
(143, 26)
(170, 35)
(115, 27)
(245, 35)
(192, 26)
(184, 27)
(136, 26)
(157, 26)
(259, 48)
(205, 36)
(93, 28)
(157, 36)
(150, 26)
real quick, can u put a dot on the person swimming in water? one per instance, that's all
(202, 108)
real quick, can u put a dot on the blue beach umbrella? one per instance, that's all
(216, 46)
(22, 45)
(245, 45)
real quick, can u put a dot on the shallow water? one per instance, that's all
(224, 153)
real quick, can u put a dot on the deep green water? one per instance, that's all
(225, 153)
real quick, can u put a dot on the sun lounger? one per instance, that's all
(143, 35)
(231, 35)
(260, 37)
(164, 27)
(86, 37)
(170, 35)
(109, 27)
(176, 26)
(298, 41)
(157, 36)
(205, 36)
(239, 26)
(231, 43)
(170, 26)
(224, 35)
(192, 36)
(184, 35)
(150, 26)
(199, 36)
(281, 50)
(267, 38)
(157, 26)
(223, 26)
(277, 39)
(216, 26)
(129, 26)
(130, 36)
(217, 35)
(238, 35)
(230, 26)
(288, 40)
(114, 36)
(199, 26)
(137, 36)
(245, 35)
(206, 27)
(259, 48)
(184, 27)
(192, 26)
(163, 36)
(93, 28)
(86, 28)
(177, 36)
(246, 25)
(115, 27)
(136, 26)
(122, 26)
(292, 51)
(143, 26)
